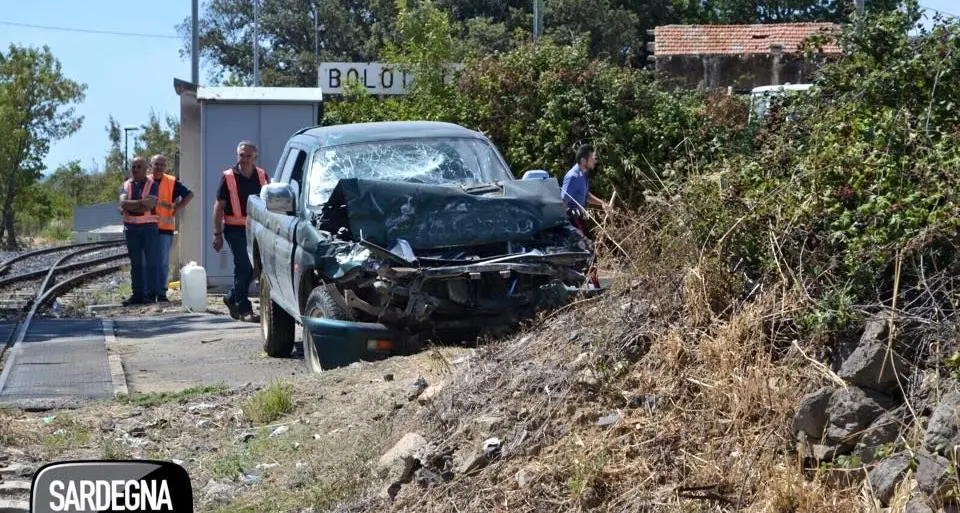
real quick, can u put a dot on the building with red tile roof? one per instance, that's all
(740, 39)
(741, 56)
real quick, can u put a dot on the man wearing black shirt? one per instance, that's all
(230, 222)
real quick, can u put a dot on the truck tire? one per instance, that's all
(320, 304)
(278, 327)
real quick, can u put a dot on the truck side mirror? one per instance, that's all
(279, 197)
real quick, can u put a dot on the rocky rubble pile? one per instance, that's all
(895, 415)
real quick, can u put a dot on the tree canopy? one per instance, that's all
(36, 108)
(296, 34)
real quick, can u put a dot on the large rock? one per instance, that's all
(932, 473)
(918, 505)
(850, 410)
(811, 417)
(943, 429)
(400, 458)
(882, 431)
(886, 475)
(871, 365)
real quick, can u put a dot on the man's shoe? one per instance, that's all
(234, 312)
(162, 299)
(131, 301)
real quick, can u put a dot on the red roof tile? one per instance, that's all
(738, 39)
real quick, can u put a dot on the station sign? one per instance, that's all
(376, 77)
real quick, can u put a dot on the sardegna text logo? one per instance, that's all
(106, 486)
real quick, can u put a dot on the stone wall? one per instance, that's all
(737, 71)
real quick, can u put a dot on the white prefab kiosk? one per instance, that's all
(212, 121)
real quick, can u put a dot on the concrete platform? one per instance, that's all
(65, 363)
(59, 364)
(168, 353)
(105, 234)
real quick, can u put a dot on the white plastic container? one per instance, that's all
(193, 287)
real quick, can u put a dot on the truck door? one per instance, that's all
(285, 243)
(267, 233)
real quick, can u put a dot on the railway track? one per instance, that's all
(41, 282)
(7, 265)
(40, 286)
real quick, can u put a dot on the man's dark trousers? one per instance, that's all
(142, 249)
(242, 270)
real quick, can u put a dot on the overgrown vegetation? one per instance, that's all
(862, 176)
(296, 34)
(753, 253)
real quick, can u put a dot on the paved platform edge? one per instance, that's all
(113, 358)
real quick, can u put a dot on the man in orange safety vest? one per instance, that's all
(230, 223)
(172, 197)
(138, 198)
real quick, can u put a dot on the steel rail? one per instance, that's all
(6, 264)
(87, 263)
(70, 267)
(44, 297)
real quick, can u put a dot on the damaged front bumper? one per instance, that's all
(340, 343)
(442, 295)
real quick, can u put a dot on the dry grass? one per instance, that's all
(705, 387)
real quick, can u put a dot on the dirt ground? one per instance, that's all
(299, 444)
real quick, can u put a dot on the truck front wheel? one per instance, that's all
(321, 303)
(276, 324)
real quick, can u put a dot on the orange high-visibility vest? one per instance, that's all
(238, 219)
(165, 208)
(147, 217)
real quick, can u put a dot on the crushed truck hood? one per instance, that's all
(444, 216)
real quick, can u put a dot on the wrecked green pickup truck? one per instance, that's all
(377, 237)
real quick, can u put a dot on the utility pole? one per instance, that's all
(537, 20)
(256, 43)
(859, 4)
(195, 44)
(126, 132)
(316, 40)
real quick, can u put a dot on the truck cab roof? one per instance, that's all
(353, 133)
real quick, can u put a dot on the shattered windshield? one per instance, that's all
(427, 161)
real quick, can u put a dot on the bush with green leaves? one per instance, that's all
(856, 194)
(539, 102)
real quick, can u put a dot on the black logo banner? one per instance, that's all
(109, 485)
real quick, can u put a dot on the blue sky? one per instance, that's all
(126, 76)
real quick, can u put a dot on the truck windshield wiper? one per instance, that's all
(481, 188)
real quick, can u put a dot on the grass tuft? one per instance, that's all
(157, 398)
(270, 403)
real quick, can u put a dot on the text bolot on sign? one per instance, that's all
(376, 77)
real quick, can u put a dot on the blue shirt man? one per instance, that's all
(575, 188)
(576, 195)
(575, 192)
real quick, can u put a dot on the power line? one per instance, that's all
(88, 31)
(941, 12)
